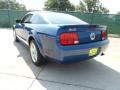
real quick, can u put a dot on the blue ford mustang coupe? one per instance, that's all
(59, 37)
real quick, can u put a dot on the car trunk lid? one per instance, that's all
(86, 33)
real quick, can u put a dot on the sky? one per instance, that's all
(112, 5)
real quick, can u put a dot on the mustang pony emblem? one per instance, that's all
(92, 36)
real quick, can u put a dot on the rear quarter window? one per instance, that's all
(37, 19)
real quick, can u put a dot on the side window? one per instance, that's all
(27, 18)
(37, 19)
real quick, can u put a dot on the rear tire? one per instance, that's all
(37, 58)
(15, 37)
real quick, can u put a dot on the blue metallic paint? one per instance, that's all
(47, 39)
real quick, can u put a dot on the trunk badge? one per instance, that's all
(72, 29)
(92, 36)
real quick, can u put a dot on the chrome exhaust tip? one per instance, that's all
(102, 54)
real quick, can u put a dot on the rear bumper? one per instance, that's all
(66, 54)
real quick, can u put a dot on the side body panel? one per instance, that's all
(41, 34)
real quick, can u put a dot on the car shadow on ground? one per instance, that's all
(86, 74)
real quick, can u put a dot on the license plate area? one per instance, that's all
(93, 51)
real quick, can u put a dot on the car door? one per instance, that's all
(26, 22)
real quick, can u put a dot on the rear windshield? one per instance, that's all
(60, 18)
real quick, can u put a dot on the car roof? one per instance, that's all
(44, 15)
(44, 12)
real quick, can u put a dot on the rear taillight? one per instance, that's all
(104, 35)
(69, 38)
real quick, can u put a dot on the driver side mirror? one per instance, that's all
(18, 21)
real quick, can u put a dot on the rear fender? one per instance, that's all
(35, 36)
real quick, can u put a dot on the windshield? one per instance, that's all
(60, 18)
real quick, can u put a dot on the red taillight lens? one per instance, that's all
(104, 35)
(70, 38)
